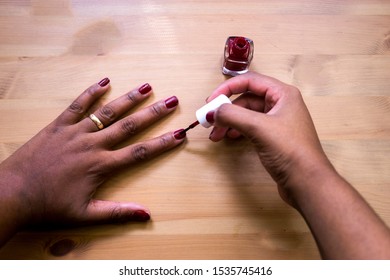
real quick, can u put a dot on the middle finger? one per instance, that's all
(112, 111)
(129, 126)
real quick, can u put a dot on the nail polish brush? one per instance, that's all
(191, 126)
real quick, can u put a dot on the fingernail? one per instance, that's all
(171, 102)
(104, 82)
(179, 134)
(210, 117)
(140, 216)
(211, 134)
(145, 88)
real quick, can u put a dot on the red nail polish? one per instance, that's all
(171, 102)
(145, 88)
(238, 55)
(179, 134)
(104, 82)
(141, 216)
(211, 134)
(210, 117)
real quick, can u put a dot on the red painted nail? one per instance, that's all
(140, 216)
(171, 102)
(210, 117)
(179, 134)
(104, 82)
(145, 88)
(211, 134)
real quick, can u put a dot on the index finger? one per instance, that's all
(253, 82)
(141, 151)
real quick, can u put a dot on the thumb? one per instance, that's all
(102, 211)
(249, 123)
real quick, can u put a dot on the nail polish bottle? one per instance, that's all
(238, 55)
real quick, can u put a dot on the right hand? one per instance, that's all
(274, 117)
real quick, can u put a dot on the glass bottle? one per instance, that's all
(238, 55)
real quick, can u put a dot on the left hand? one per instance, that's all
(53, 177)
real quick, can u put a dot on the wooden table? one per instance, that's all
(208, 200)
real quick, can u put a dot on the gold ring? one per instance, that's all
(96, 121)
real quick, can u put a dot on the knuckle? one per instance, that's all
(293, 89)
(140, 153)
(132, 97)
(116, 213)
(90, 91)
(108, 113)
(54, 128)
(252, 133)
(165, 141)
(86, 146)
(129, 126)
(294, 92)
(156, 109)
(298, 93)
(110, 137)
(76, 107)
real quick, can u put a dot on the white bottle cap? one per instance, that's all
(211, 106)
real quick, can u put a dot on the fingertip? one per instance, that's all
(145, 89)
(228, 87)
(99, 89)
(212, 137)
(140, 216)
(213, 96)
(171, 102)
(101, 211)
(179, 134)
(217, 134)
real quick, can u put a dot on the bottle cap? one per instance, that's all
(239, 48)
(211, 106)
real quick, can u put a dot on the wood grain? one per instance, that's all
(208, 201)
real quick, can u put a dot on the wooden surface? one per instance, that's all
(208, 200)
